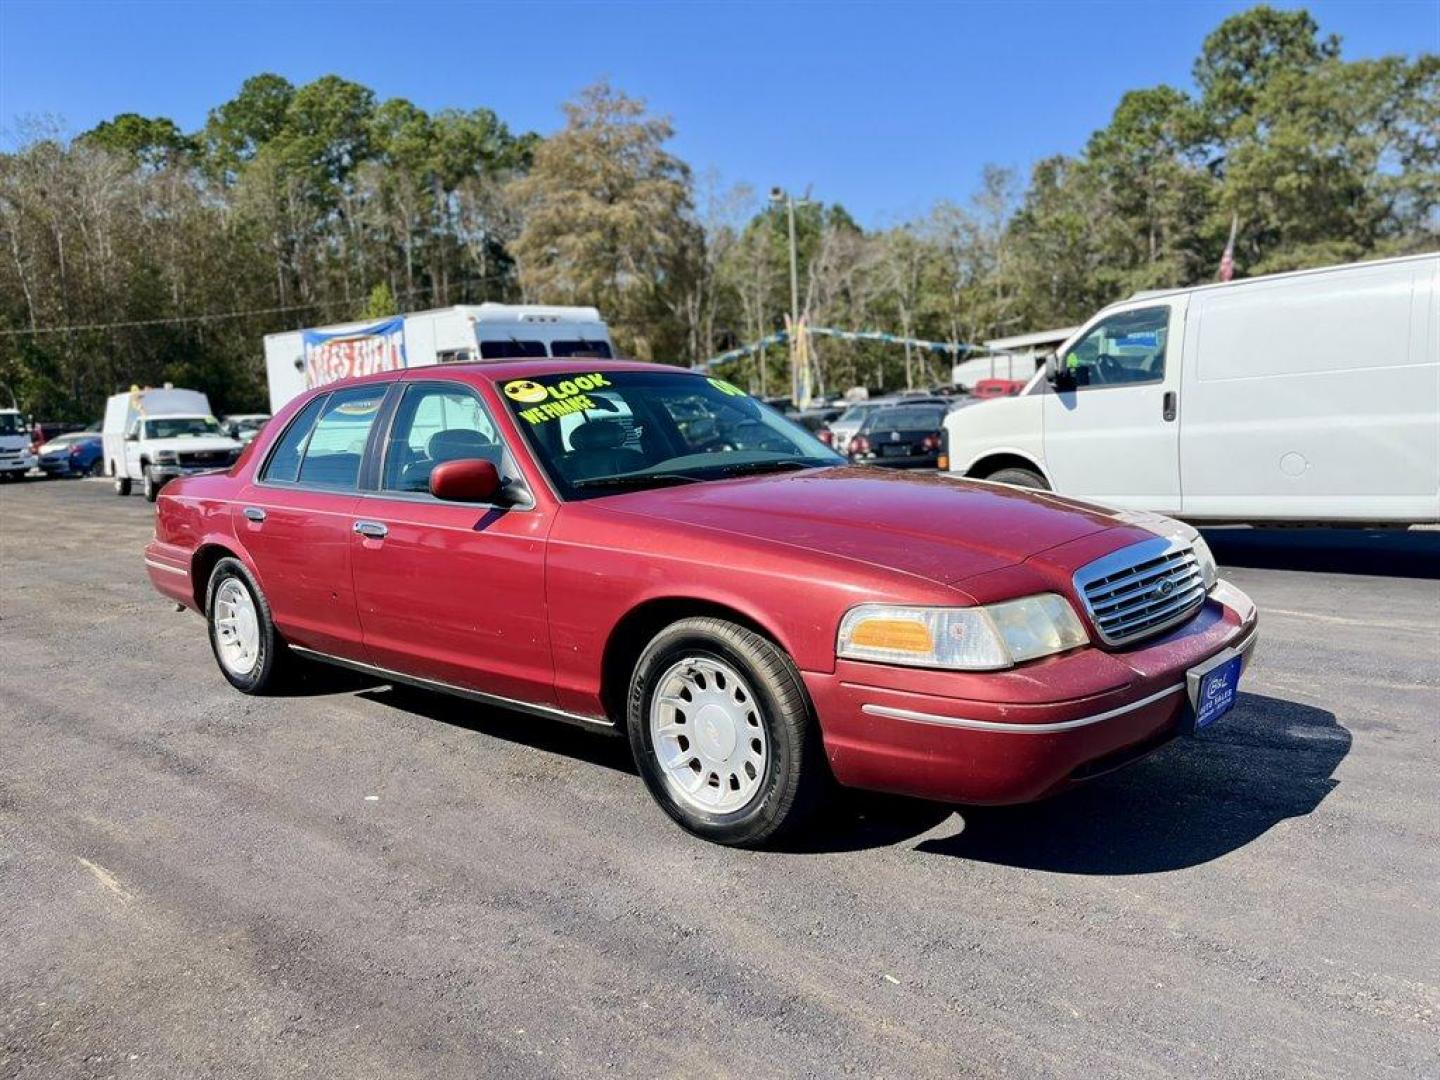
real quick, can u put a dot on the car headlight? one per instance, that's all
(1205, 559)
(166, 457)
(967, 639)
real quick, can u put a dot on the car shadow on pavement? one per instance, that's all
(552, 736)
(1411, 553)
(1194, 801)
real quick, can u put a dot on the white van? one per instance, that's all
(16, 458)
(298, 360)
(1311, 396)
(156, 435)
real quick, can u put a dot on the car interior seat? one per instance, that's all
(598, 449)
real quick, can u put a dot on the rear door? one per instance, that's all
(1113, 436)
(452, 592)
(295, 520)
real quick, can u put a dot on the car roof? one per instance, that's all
(501, 370)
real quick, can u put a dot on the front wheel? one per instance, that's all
(250, 652)
(723, 733)
(1017, 477)
(151, 486)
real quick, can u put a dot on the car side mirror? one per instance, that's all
(132, 436)
(1056, 374)
(468, 480)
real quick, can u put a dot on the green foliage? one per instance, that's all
(301, 205)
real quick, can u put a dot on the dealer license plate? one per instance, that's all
(1213, 687)
(903, 450)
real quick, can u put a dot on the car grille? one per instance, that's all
(198, 458)
(1141, 590)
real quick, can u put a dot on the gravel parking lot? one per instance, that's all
(363, 881)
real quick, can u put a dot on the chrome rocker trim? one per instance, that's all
(550, 712)
(1244, 648)
(167, 567)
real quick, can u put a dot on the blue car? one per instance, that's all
(73, 455)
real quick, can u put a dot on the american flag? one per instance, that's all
(1227, 260)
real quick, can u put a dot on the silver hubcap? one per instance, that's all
(237, 627)
(708, 737)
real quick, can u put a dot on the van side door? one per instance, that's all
(1110, 422)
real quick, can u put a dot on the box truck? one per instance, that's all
(156, 435)
(1311, 396)
(298, 360)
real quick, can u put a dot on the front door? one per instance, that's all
(452, 592)
(295, 520)
(1111, 431)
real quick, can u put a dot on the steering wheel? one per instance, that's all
(1108, 369)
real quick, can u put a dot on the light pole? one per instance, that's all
(777, 196)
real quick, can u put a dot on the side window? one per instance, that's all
(436, 423)
(337, 442)
(1122, 350)
(284, 464)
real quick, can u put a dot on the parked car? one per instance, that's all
(244, 426)
(900, 436)
(1311, 396)
(844, 427)
(757, 617)
(16, 454)
(78, 454)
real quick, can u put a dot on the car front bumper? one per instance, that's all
(21, 463)
(1026, 733)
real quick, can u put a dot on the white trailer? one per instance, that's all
(297, 360)
(1311, 396)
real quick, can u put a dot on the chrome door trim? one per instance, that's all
(548, 711)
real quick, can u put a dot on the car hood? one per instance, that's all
(934, 527)
(190, 444)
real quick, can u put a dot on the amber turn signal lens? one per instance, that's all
(901, 634)
(943, 462)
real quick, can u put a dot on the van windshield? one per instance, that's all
(10, 424)
(181, 427)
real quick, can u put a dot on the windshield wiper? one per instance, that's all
(631, 480)
(749, 468)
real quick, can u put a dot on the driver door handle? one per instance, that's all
(372, 529)
(1168, 406)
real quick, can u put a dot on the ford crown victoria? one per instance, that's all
(650, 551)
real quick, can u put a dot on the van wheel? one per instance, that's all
(1017, 477)
(122, 485)
(249, 650)
(723, 733)
(150, 487)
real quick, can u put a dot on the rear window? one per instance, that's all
(909, 419)
(599, 350)
(511, 349)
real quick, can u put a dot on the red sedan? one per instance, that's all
(647, 550)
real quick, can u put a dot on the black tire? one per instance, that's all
(1018, 477)
(97, 467)
(797, 775)
(149, 486)
(273, 668)
(122, 484)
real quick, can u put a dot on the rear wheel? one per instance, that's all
(1017, 477)
(97, 467)
(122, 485)
(250, 652)
(722, 733)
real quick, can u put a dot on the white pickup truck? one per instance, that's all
(154, 436)
(16, 457)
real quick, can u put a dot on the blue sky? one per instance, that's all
(882, 107)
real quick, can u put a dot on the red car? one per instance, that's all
(647, 550)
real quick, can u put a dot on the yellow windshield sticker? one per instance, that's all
(525, 390)
(559, 399)
(726, 388)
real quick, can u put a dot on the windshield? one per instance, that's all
(928, 418)
(596, 433)
(855, 414)
(10, 424)
(181, 427)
